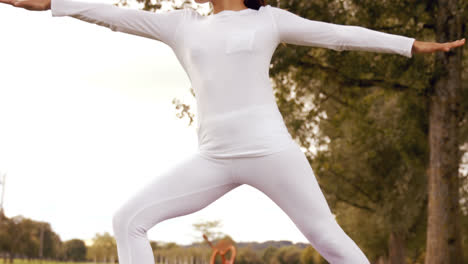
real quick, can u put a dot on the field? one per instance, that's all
(18, 261)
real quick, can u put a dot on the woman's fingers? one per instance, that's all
(428, 47)
(7, 1)
(450, 45)
(11, 2)
(456, 43)
(38, 5)
(18, 3)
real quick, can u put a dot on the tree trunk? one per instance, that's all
(443, 232)
(396, 248)
(381, 260)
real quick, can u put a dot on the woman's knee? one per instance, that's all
(334, 244)
(119, 222)
(124, 222)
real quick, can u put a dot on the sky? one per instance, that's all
(86, 120)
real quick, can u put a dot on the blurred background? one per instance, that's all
(88, 116)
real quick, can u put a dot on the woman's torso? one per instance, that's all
(227, 57)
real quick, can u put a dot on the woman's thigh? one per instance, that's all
(287, 178)
(187, 187)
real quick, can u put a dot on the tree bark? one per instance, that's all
(443, 245)
(396, 248)
(381, 260)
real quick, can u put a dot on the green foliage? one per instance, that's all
(104, 248)
(310, 256)
(247, 256)
(22, 236)
(209, 229)
(287, 255)
(75, 250)
(363, 118)
(268, 254)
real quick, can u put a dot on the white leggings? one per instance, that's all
(285, 176)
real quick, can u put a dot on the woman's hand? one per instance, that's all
(36, 5)
(427, 47)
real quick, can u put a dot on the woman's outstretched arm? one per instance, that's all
(294, 29)
(158, 26)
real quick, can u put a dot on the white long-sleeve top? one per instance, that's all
(227, 57)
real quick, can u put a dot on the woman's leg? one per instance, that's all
(286, 177)
(188, 187)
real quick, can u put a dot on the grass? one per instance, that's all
(19, 261)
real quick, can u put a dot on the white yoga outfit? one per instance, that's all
(242, 136)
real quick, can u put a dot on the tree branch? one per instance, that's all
(361, 82)
(363, 207)
(353, 185)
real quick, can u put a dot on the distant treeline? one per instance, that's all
(24, 239)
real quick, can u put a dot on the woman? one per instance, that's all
(241, 134)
